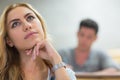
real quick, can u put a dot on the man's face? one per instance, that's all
(86, 36)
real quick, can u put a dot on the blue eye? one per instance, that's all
(30, 18)
(15, 24)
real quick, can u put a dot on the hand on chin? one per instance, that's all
(32, 43)
(31, 48)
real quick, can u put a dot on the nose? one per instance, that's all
(27, 26)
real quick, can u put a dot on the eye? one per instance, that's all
(81, 34)
(30, 18)
(15, 24)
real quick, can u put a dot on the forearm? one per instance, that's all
(61, 71)
(61, 74)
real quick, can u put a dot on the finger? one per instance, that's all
(44, 55)
(28, 51)
(36, 51)
(39, 46)
(34, 54)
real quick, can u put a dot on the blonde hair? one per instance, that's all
(9, 56)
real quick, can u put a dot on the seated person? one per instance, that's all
(84, 59)
(25, 51)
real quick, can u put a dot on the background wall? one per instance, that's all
(63, 16)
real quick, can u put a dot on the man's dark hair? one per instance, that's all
(89, 23)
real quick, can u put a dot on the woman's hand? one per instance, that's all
(45, 50)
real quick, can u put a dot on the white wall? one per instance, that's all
(63, 16)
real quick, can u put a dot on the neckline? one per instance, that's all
(86, 62)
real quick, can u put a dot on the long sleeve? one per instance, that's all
(71, 74)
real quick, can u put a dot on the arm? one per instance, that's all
(108, 64)
(60, 73)
(47, 51)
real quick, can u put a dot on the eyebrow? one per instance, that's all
(19, 19)
(27, 14)
(13, 20)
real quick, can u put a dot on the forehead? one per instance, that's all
(87, 30)
(18, 12)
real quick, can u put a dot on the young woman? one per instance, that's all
(25, 51)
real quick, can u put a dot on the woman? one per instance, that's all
(25, 52)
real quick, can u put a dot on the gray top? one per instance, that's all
(96, 61)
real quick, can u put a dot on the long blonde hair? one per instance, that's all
(9, 56)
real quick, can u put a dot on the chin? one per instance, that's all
(32, 43)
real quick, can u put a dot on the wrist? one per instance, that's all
(56, 60)
(58, 66)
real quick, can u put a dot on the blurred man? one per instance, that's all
(84, 59)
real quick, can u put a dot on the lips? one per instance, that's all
(29, 34)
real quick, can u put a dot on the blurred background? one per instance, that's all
(63, 16)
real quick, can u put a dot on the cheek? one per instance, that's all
(90, 42)
(16, 37)
(40, 29)
(42, 36)
(81, 40)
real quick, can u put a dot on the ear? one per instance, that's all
(9, 42)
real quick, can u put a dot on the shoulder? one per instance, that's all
(66, 52)
(67, 55)
(97, 52)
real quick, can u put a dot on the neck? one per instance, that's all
(24, 58)
(82, 50)
(27, 61)
(30, 66)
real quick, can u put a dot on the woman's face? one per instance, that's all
(24, 28)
